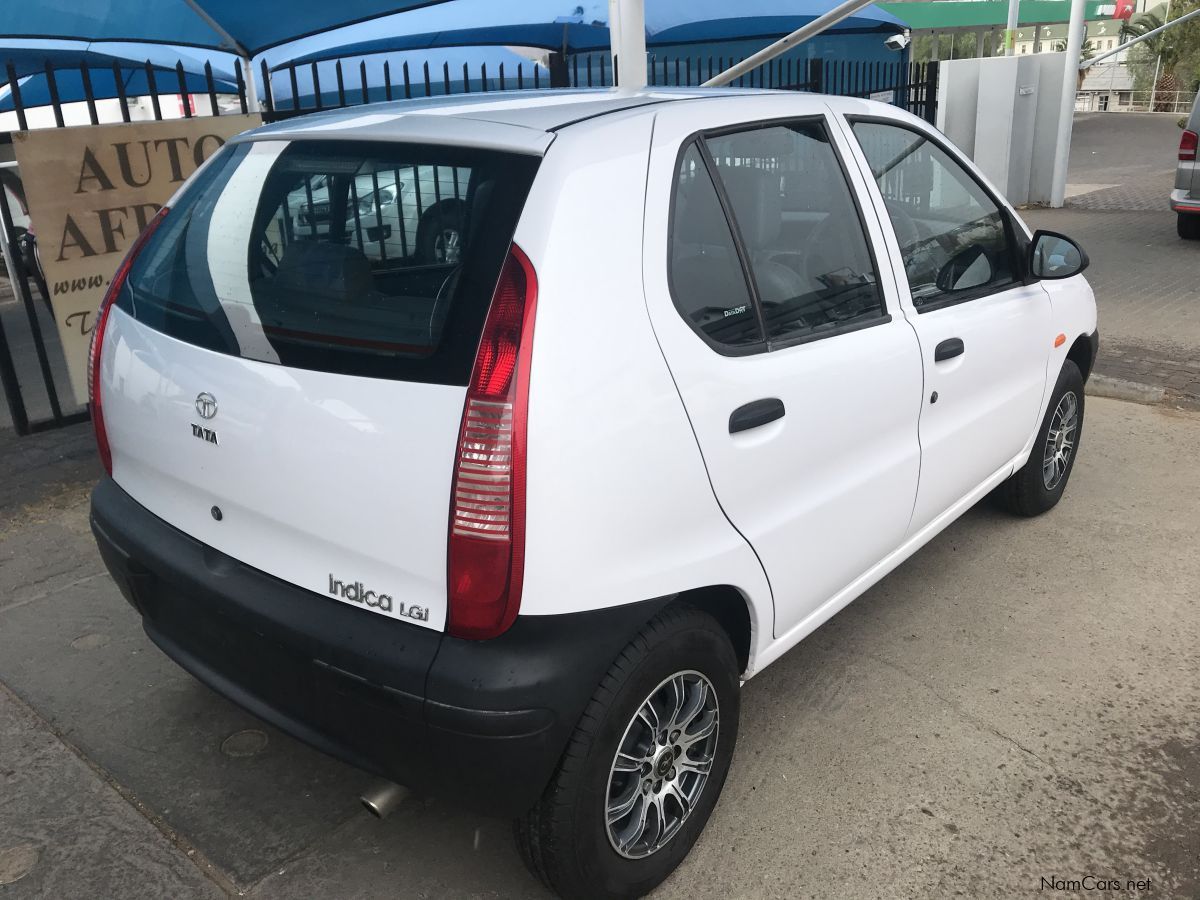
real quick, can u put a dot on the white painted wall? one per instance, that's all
(1003, 112)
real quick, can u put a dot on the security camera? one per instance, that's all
(897, 41)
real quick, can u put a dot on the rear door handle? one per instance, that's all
(948, 349)
(755, 413)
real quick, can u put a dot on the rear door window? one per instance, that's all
(768, 246)
(355, 258)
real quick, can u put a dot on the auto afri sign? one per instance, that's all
(90, 191)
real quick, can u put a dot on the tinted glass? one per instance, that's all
(951, 234)
(365, 259)
(707, 281)
(800, 228)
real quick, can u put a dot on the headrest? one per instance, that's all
(757, 204)
(698, 216)
(332, 270)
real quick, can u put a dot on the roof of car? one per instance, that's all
(523, 121)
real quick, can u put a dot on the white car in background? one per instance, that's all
(514, 525)
(387, 212)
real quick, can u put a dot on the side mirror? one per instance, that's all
(1053, 255)
(969, 268)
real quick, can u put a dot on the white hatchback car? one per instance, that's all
(515, 527)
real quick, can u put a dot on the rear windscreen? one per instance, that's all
(349, 257)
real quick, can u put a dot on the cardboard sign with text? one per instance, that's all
(91, 190)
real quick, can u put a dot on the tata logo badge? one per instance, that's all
(206, 405)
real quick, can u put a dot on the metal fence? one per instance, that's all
(32, 366)
(1177, 102)
(911, 86)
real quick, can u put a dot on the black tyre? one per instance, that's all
(1188, 226)
(441, 233)
(645, 766)
(1038, 485)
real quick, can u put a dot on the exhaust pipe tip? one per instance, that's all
(382, 798)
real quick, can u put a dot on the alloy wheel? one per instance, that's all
(1060, 441)
(662, 764)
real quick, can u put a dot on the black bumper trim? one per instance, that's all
(483, 723)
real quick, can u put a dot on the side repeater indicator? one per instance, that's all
(1060, 340)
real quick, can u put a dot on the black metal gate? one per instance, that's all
(32, 366)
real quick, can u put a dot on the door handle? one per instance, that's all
(948, 349)
(755, 413)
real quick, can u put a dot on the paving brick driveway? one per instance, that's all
(1145, 276)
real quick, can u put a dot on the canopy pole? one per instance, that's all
(627, 41)
(252, 104)
(237, 47)
(1066, 110)
(797, 37)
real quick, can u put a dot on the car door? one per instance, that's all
(984, 329)
(801, 381)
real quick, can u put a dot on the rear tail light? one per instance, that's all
(1187, 146)
(96, 347)
(487, 518)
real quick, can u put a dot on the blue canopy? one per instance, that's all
(241, 26)
(536, 23)
(574, 37)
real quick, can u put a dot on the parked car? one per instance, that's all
(388, 212)
(514, 526)
(1185, 198)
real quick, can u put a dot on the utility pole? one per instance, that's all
(1158, 60)
(1010, 33)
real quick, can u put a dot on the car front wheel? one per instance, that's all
(645, 766)
(1038, 485)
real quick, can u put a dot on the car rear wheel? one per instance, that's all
(1188, 226)
(441, 232)
(1039, 484)
(645, 766)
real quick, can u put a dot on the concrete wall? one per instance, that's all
(1003, 113)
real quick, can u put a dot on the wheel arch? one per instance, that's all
(729, 607)
(1083, 355)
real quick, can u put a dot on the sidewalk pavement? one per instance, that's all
(1146, 279)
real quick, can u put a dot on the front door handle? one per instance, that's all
(948, 349)
(755, 413)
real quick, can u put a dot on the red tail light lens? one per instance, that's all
(97, 344)
(1187, 146)
(487, 517)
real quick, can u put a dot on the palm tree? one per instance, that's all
(1144, 24)
(1158, 46)
(1086, 51)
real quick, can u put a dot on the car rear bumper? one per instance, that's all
(1182, 202)
(481, 722)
